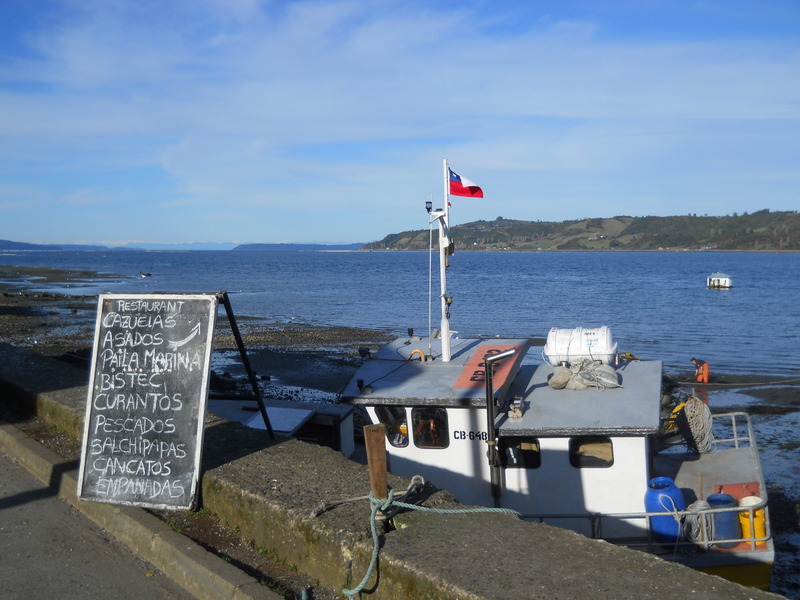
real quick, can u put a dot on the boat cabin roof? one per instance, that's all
(632, 409)
(395, 375)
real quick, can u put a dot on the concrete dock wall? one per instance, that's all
(271, 491)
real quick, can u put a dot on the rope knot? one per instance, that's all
(389, 500)
(380, 505)
(384, 505)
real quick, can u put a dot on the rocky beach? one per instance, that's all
(62, 325)
(291, 361)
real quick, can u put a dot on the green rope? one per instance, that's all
(384, 506)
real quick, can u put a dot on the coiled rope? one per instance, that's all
(699, 417)
(699, 528)
(390, 505)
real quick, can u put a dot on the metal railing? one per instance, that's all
(754, 542)
(732, 430)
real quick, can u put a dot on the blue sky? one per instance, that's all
(254, 121)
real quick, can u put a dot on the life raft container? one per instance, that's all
(580, 343)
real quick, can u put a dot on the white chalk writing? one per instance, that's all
(142, 416)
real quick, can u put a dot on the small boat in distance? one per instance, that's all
(719, 281)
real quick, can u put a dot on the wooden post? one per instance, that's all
(375, 441)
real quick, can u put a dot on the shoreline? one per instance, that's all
(301, 355)
(62, 325)
(294, 360)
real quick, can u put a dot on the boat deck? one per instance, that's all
(397, 375)
(732, 467)
(632, 409)
(733, 471)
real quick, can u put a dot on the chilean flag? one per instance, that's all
(461, 186)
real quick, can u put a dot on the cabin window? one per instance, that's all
(521, 453)
(430, 427)
(591, 452)
(394, 418)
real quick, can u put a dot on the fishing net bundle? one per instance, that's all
(584, 374)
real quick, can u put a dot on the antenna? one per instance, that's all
(429, 207)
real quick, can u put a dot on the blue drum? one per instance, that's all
(726, 524)
(664, 496)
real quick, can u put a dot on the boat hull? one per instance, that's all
(756, 575)
(577, 458)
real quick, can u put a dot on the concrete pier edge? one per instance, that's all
(192, 567)
(268, 490)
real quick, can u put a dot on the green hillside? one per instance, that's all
(759, 231)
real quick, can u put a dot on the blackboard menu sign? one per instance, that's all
(147, 398)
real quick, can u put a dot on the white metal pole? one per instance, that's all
(430, 286)
(444, 242)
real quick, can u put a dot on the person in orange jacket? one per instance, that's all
(700, 370)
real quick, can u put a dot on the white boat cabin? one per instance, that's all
(719, 281)
(570, 454)
(577, 459)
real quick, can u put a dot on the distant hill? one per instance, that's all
(178, 247)
(759, 231)
(6, 245)
(296, 247)
(9, 245)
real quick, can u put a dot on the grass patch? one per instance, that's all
(270, 552)
(176, 526)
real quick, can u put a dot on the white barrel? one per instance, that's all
(571, 345)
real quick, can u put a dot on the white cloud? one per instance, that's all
(333, 107)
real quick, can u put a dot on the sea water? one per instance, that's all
(656, 304)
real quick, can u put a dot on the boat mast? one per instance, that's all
(442, 217)
(444, 246)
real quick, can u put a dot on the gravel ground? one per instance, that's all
(63, 325)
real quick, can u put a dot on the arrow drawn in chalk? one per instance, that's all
(193, 334)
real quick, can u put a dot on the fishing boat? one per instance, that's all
(719, 281)
(573, 433)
